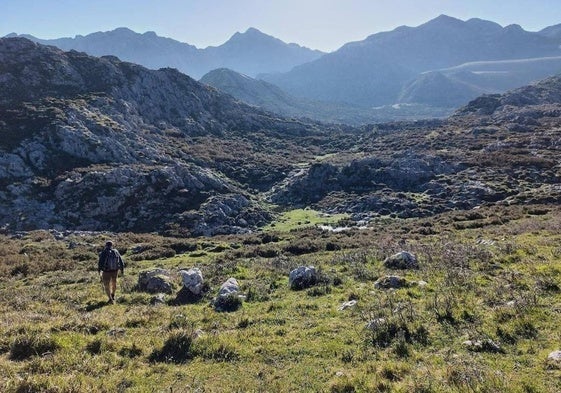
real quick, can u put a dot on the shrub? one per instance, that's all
(130, 351)
(228, 303)
(302, 246)
(176, 349)
(31, 344)
(94, 347)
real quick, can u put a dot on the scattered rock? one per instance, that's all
(116, 332)
(155, 281)
(302, 277)
(228, 299)
(555, 357)
(389, 282)
(375, 323)
(193, 287)
(422, 284)
(192, 280)
(402, 260)
(485, 345)
(349, 304)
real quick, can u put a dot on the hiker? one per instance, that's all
(110, 262)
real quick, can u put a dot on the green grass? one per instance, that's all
(302, 218)
(496, 282)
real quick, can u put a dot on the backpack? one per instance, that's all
(111, 260)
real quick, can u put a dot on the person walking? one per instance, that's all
(108, 266)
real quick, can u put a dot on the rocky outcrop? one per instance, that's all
(391, 282)
(99, 144)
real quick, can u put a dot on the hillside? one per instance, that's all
(96, 143)
(373, 72)
(455, 86)
(251, 52)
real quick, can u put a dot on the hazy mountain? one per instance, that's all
(269, 97)
(456, 86)
(552, 32)
(251, 52)
(374, 71)
(438, 89)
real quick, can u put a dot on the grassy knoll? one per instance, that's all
(496, 282)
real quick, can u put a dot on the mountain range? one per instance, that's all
(251, 52)
(410, 72)
(97, 144)
(375, 71)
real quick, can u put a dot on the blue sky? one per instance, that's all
(319, 24)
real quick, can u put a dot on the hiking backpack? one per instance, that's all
(111, 260)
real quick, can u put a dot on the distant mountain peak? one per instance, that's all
(250, 35)
(253, 30)
(443, 20)
(123, 30)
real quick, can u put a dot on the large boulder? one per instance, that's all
(228, 298)
(193, 288)
(303, 277)
(192, 280)
(155, 281)
(402, 260)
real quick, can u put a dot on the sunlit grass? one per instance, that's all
(496, 282)
(302, 218)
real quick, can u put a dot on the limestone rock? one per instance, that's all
(485, 345)
(228, 298)
(158, 299)
(375, 323)
(192, 280)
(155, 281)
(349, 304)
(302, 277)
(193, 288)
(555, 357)
(402, 260)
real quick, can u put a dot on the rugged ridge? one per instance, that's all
(251, 52)
(96, 143)
(374, 71)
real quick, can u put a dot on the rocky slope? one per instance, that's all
(499, 149)
(98, 144)
(251, 52)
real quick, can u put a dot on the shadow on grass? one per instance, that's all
(95, 305)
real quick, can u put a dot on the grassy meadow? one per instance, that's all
(492, 276)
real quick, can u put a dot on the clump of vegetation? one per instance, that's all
(177, 348)
(32, 344)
